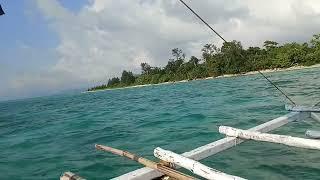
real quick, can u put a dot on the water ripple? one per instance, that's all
(42, 137)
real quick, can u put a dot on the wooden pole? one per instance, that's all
(273, 138)
(153, 165)
(193, 166)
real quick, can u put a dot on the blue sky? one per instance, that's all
(21, 27)
(48, 46)
(24, 26)
(27, 40)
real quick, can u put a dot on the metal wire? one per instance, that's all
(272, 83)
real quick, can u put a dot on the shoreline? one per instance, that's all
(217, 77)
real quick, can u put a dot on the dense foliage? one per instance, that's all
(231, 58)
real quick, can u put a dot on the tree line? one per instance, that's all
(231, 58)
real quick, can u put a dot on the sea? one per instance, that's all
(40, 138)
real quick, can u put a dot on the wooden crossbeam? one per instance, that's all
(193, 166)
(272, 138)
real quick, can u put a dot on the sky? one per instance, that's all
(49, 46)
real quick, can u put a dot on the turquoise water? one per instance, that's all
(42, 137)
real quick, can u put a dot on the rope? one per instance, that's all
(272, 83)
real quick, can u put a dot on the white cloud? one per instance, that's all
(108, 36)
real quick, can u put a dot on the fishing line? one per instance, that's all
(272, 83)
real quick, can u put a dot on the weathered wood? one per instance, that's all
(273, 138)
(313, 134)
(217, 146)
(153, 165)
(70, 176)
(193, 166)
(315, 117)
(302, 108)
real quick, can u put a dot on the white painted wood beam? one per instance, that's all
(272, 138)
(193, 166)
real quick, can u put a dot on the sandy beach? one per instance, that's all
(222, 76)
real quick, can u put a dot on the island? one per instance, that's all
(231, 59)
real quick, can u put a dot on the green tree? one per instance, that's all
(233, 56)
(127, 78)
(113, 82)
(175, 63)
(270, 44)
(146, 68)
(315, 41)
(178, 54)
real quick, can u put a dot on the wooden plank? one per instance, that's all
(193, 166)
(217, 146)
(153, 165)
(302, 108)
(315, 117)
(272, 138)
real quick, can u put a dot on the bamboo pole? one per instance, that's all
(193, 166)
(153, 165)
(273, 138)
